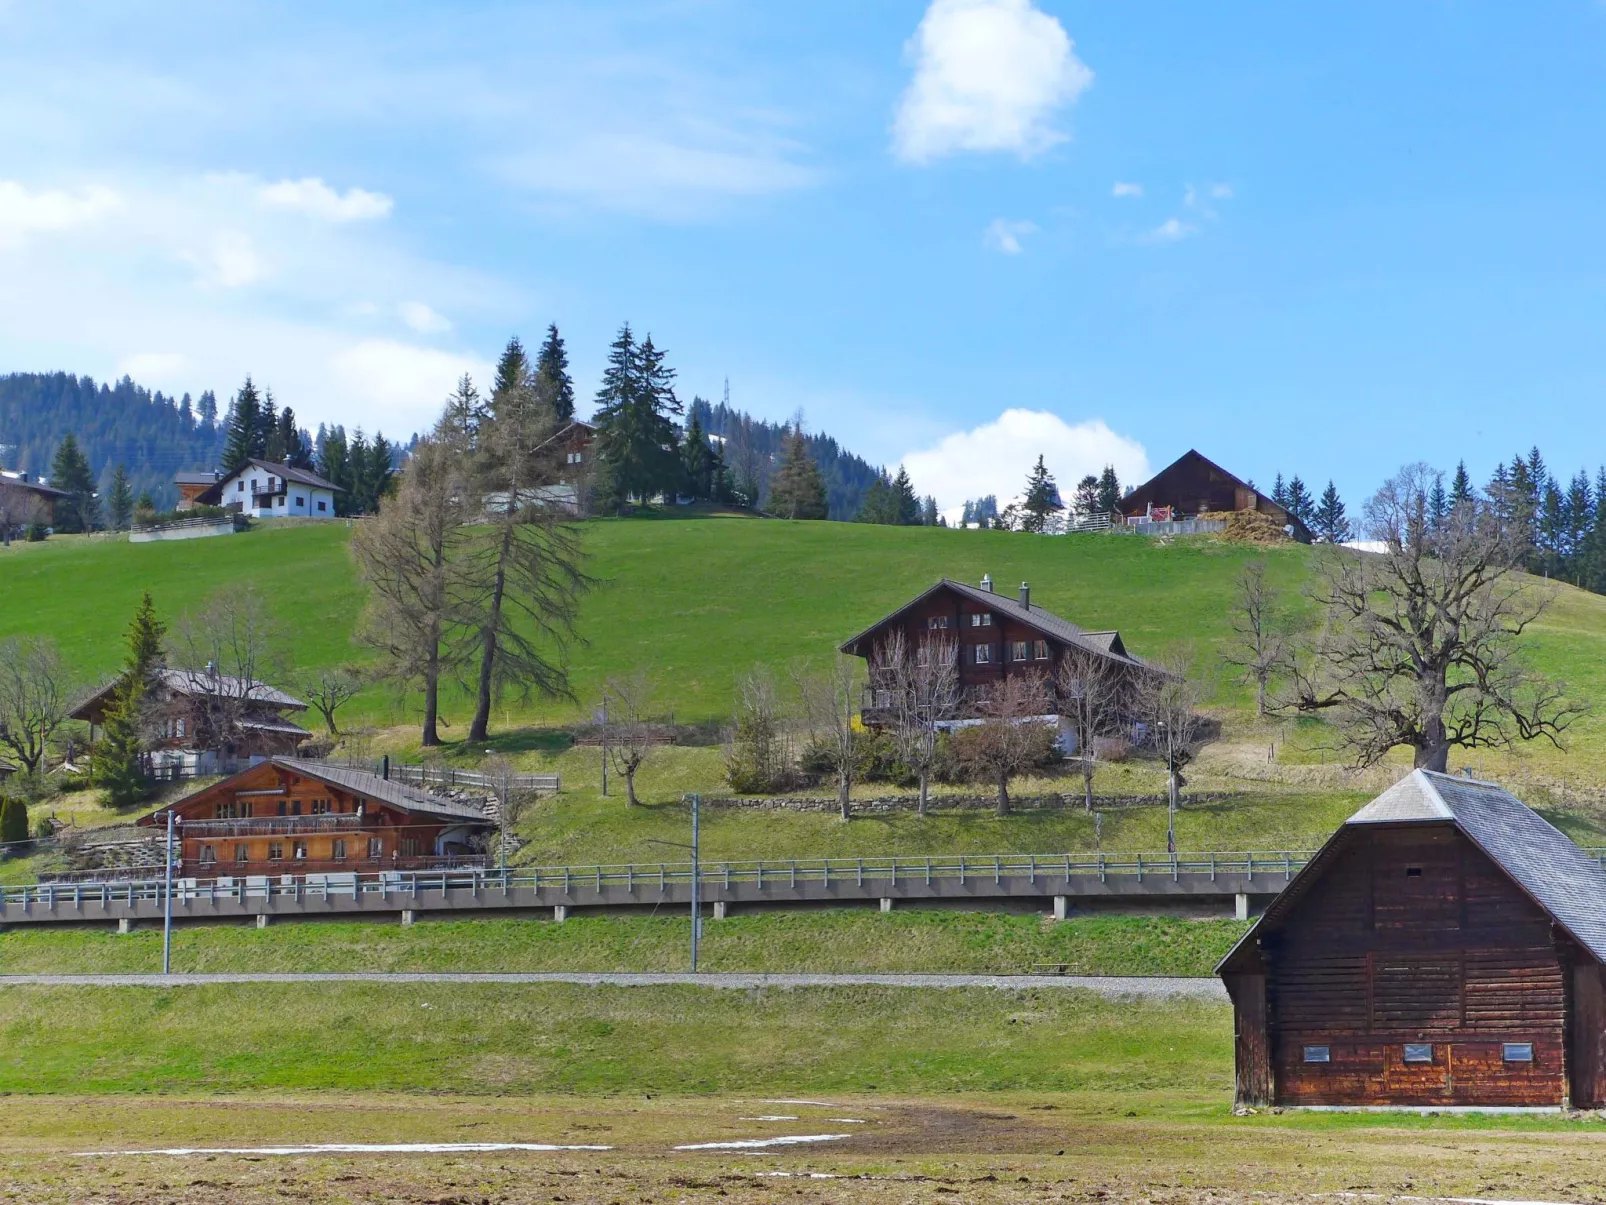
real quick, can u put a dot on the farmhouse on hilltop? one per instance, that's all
(1192, 486)
(264, 489)
(1445, 948)
(995, 636)
(286, 815)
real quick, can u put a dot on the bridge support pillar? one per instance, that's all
(1061, 906)
(1241, 906)
(886, 904)
(407, 916)
(560, 912)
(720, 909)
(262, 920)
(125, 924)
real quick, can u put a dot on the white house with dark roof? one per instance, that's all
(263, 489)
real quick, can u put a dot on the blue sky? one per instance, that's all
(1323, 238)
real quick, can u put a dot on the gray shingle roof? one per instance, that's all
(1542, 860)
(385, 790)
(304, 476)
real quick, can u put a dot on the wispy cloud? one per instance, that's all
(1171, 230)
(315, 198)
(989, 75)
(51, 210)
(1004, 235)
(1122, 188)
(422, 318)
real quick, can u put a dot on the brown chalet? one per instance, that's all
(1192, 485)
(288, 816)
(24, 501)
(1444, 949)
(996, 636)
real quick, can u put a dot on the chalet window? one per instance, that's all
(984, 620)
(1021, 651)
(208, 855)
(984, 654)
(1419, 1052)
(1413, 872)
(276, 851)
(1318, 1054)
(300, 501)
(337, 851)
(242, 853)
(322, 505)
(409, 847)
(282, 806)
(295, 807)
(1041, 650)
(298, 850)
(179, 726)
(239, 487)
(937, 622)
(1517, 1052)
(376, 847)
(319, 807)
(279, 501)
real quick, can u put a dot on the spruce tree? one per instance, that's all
(120, 500)
(1042, 499)
(1109, 490)
(879, 505)
(13, 821)
(1279, 492)
(1460, 485)
(1330, 522)
(244, 427)
(552, 369)
(698, 461)
(637, 439)
(906, 506)
(206, 411)
(1298, 502)
(797, 490)
(334, 466)
(118, 761)
(459, 426)
(70, 473)
(1438, 502)
(269, 442)
(1086, 499)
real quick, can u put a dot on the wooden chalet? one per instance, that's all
(191, 485)
(995, 636)
(1444, 949)
(24, 501)
(1192, 486)
(291, 816)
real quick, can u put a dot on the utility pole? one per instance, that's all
(696, 883)
(167, 900)
(605, 744)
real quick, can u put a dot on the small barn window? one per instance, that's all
(208, 855)
(1419, 1052)
(984, 654)
(1019, 653)
(337, 851)
(275, 851)
(1041, 649)
(1318, 1054)
(1413, 872)
(937, 622)
(322, 505)
(298, 850)
(983, 620)
(376, 847)
(1517, 1052)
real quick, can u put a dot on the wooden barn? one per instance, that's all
(287, 815)
(1193, 485)
(1444, 949)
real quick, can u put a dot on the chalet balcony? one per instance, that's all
(878, 706)
(195, 868)
(276, 826)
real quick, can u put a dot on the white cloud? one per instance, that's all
(1124, 189)
(423, 319)
(49, 211)
(315, 198)
(154, 369)
(995, 457)
(399, 386)
(1004, 235)
(1221, 192)
(232, 261)
(1171, 230)
(989, 75)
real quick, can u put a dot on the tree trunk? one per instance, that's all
(844, 788)
(925, 784)
(1260, 696)
(1003, 794)
(1171, 812)
(1087, 782)
(432, 689)
(480, 728)
(329, 719)
(1434, 751)
(630, 788)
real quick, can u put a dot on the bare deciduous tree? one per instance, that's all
(922, 686)
(1011, 738)
(1260, 632)
(1090, 691)
(760, 753)
(1168, 701)
(330, 688)
(830, 703)
(35, 686)
(231, 650)
(1420, 645)
(405, 554)
(629, 732)
(504, 780)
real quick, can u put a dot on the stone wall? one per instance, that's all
(949, 803)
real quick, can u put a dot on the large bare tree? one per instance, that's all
(1168, 701)
(830, 703)
(1421, 645)
(922, 687)
(505, 781)
(760, 754)
(330, 687)
(406, 555)
(1092, 693)
(628, 731)
(35, 688)
(231, 650)
(1011, 737)
(1259, 647)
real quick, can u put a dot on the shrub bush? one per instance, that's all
(13, 821)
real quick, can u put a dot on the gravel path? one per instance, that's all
(1105, 985)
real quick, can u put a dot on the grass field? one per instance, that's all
(838, 940)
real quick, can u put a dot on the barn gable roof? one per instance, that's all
(1049, 624)
(1560, 878)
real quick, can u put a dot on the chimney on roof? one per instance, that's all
(384, 767)
(1026, 595)
(987, 582)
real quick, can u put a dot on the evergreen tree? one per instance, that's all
(1041, 499)
(70, 473)
(797, 491)
(552, 369)
(1460, 485)
(292, 441)
(1085, 501)
(334, 466)
(1298, 502)
(1329, 521)
(244, 428)
(637, 439)
(512, 371)
(13, 821)
(269, 441)
(207, 413)
(929, 515)
(1438, 502)
(1279, 492)
(906, 507)
(465, 411)
(698, 461)
(186, 412)
(1109, 490)
(118, 762)
(120, 500)
(880, 504)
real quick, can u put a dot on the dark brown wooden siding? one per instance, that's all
(1413, 936)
